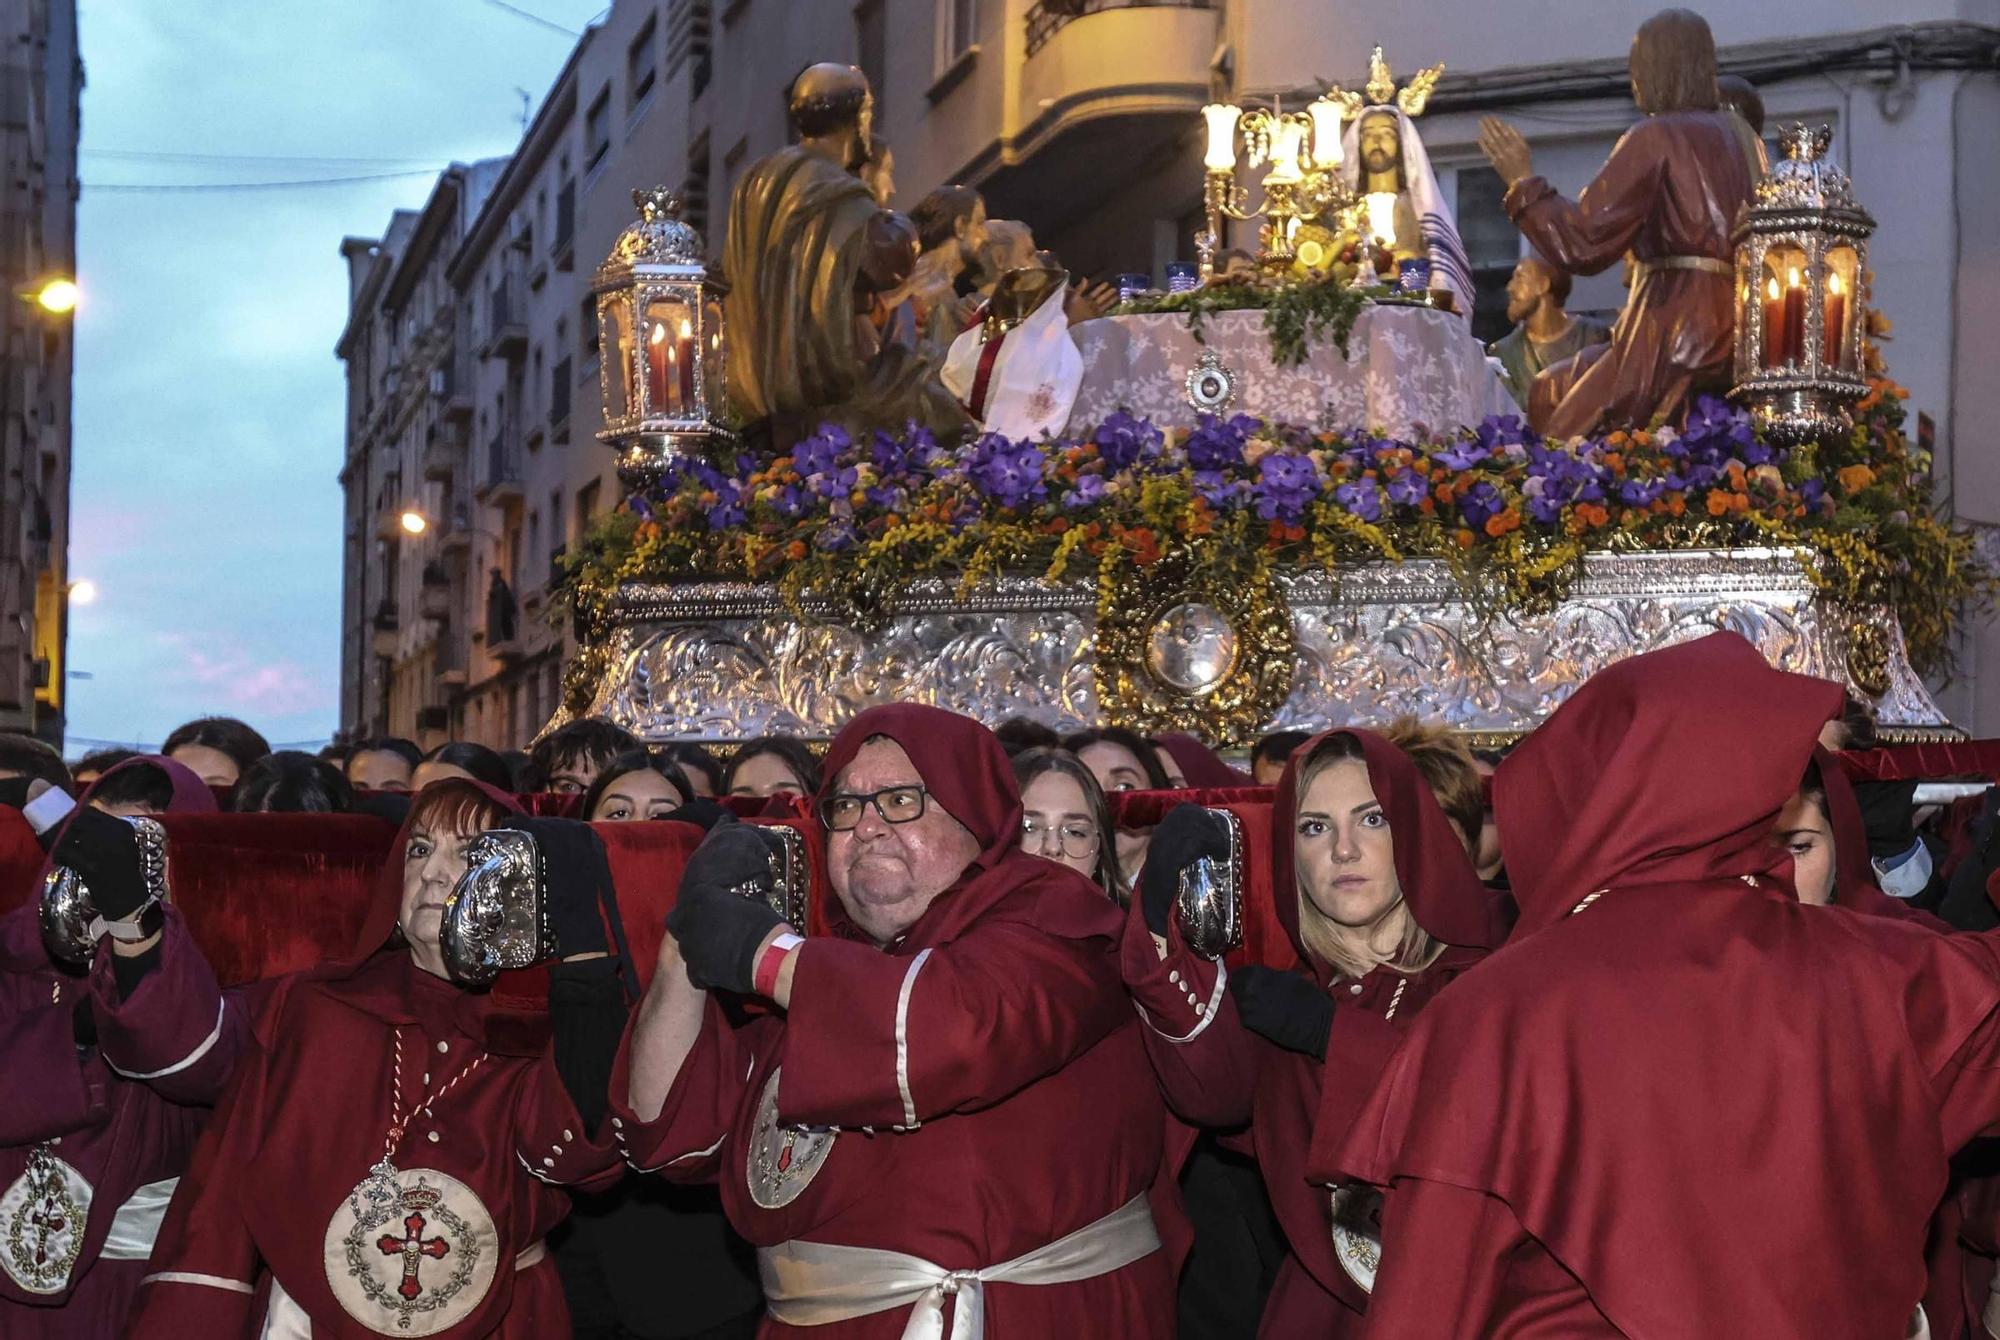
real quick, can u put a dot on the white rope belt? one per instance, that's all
(817, 1283)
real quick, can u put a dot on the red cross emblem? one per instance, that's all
(47, 1221)
(413, 1249)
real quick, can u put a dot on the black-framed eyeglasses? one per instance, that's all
(896, 805)
(1073, 839)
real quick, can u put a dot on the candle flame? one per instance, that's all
(1792, 279)
(1833, 284)
(1771, 288)
(687, 329)
(659, 333)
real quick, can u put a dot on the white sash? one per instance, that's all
(816, 1283)
(137, 1222)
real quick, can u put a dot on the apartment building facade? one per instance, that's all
(1080, 117)
(41, 84)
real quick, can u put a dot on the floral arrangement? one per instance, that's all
(1297, 315)
(1511, 513)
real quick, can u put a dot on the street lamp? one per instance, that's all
(414, 522)
(82, 591)
(58, 296)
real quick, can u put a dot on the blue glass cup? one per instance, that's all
(1183, 276)
(1131, 286)
(1413, 275)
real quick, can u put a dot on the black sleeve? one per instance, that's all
(587, 1009)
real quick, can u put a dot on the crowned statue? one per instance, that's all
(809, 251)
(1400, 208)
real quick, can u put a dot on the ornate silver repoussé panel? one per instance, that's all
(725, 662)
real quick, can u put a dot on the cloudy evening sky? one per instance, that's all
(209, 404)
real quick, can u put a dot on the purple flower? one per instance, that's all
(1461, 456)
(1217, 489)
(1089, 491)
(1125, 440)
(834, 536)
(1813, 494)
(789, 501)
(1479, 504)
(1504, 434)
(822, 452)
(1286, 483)
(1408, 488)
(1641, 492)
(1216, 444)
(1361, 498)
(893, 459)
(727, 509)
(1010, 473)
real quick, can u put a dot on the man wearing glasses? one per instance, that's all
(948, 1112)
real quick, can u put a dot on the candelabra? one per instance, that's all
(1304, 181)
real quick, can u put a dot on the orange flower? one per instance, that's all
(1593, 514)
(1718, 503)
(1614, 462)
(1617, 439)
(796, 550)
(1464, 539)
(1444, 494)
(1854, 478)
(1501, 522)
(1677, 504)
(1427, 507)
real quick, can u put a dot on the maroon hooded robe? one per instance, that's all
(1679, 1103)
(92, 1138)
(972, 1092)
(265, 1229)
(1218, 1074)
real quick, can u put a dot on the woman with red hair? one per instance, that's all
(394, 1146)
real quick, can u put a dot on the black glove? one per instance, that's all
(702, 812)
(1185, 836)
(1888, 810)
(579, 884)
(717, 926)
(1285, 1007)
(104, 850)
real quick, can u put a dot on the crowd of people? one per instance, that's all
(1658, 1024)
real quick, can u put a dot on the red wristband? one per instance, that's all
(764, 981)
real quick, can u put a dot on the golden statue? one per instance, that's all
(809, 250)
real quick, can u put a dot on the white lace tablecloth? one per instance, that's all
(1405, 366)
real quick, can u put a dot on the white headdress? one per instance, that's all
(1449, 267)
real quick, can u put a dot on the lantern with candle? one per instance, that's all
(659, 320)
(1801, 263)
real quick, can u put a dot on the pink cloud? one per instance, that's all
(249, 686)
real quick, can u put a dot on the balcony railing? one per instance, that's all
(1049, 17)
(501, 478)
(506, 318)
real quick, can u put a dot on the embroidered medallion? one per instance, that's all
(42, 1217)
(783, 1160)
(1357, 1233)
(410, 1252)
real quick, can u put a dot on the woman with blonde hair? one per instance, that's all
(1374, 885)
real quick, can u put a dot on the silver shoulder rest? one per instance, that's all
(71, 925)
(1209, 901)
(496, 917)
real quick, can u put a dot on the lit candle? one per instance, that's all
(1774, 324)
(658, 354)
(1327, 151)
(1795, 316)
(1382, 217)
(1836, 320)
(1286, 143)
(684, 353)
(1221, 118)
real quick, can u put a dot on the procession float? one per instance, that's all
(1291, 492)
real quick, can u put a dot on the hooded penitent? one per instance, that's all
(1721, 1112)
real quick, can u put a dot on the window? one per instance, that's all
(1492, 245)
(694, 192)
(689, 26)
(597, 130)
(565, 216)
(586, 321)
(586, 508)
(641, 73)
(559, 391)
(871, 43)
(958, 31)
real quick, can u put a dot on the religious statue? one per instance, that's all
(809, 252)
(1543, 333)
(952, 238)
(1669, 194)
(1384, 161)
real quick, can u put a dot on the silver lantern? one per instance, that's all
(659, 319)
(1801, 290)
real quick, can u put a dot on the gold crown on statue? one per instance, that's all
(1381, 88)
